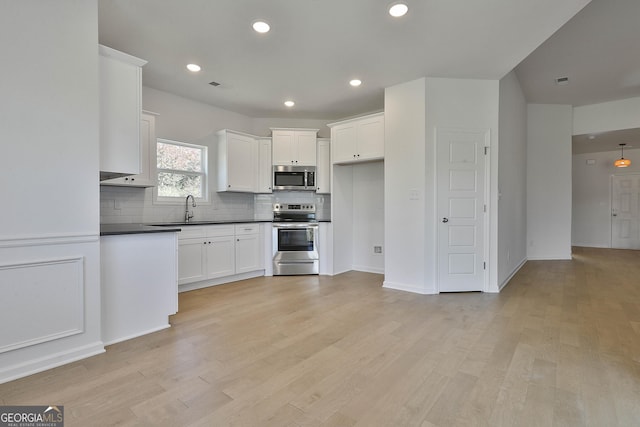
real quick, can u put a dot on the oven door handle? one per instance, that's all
(292, 261)
(294, 225)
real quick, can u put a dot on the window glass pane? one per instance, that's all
(171, 156)
(179, 185)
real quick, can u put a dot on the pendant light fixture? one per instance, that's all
(622, 162)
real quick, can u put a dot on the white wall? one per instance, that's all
(606, 116)
(462, 104)
(404, 171)
(512, 179)
(185, 120)
(342, 218)
(49, 229)
(591, 210)
(368, 214)
(49, 116)
(413, 112)
(549, 181)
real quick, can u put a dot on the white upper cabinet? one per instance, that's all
(237, 162)
(358, 140)
(323, 170)
(148, 157)
(120, 107)
(265, 171)
(294, 147)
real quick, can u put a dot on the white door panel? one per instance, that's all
(461, 173)
(625, 211)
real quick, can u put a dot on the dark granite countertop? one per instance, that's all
(116, 229)
(165, 227)
(205, 222)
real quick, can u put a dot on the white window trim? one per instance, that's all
(159, 200)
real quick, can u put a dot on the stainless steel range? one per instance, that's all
(295, 232)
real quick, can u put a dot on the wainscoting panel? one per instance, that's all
(42, 301)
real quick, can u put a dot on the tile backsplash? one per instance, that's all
(135, 205)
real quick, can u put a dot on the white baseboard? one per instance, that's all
(137, 334)
(589, 245)
(367, 269)
(550, 258)
(219, 281)
(513, 273)
(408, 288)
(34, 366)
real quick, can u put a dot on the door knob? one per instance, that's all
(445, 219)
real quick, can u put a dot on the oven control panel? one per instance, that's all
(294, 207)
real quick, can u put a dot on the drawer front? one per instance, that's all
(220, 230)
(242, 229)
(191, 231)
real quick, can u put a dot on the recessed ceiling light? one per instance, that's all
(398, 9)
(193, 67)
(355, 82)
(289, 103)
(261, 27)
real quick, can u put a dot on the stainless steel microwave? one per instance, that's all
(294, 178)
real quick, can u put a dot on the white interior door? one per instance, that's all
(461, 162)
(625, 221)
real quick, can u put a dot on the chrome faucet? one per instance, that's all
(188, 215)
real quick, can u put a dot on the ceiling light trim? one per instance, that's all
(261, 26)
(398, 10)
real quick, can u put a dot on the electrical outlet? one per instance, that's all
(377, 249)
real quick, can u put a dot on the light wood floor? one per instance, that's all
(560, 346)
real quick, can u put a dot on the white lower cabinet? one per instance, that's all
(192, 259)
(248, 249)
(138, 284)
(220, 256)
(210, 252)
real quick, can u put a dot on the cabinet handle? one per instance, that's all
(229, 185)
(204, 243)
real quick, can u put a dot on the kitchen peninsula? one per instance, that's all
(139, 287)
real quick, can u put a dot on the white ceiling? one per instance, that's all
(599, 51)
(606, 141)
(316, 46)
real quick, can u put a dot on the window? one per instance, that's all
(182, 170)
